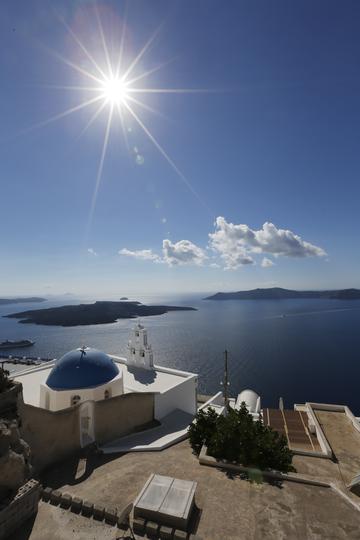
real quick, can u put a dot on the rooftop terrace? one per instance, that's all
(228, 507)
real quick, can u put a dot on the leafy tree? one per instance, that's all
(4, 380)
(202, 429)
(237, 437)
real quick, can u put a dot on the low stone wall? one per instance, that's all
(120, 518)
(21, 508)
(52, 436)
(206, 459)
(120, 415)
(55, 435)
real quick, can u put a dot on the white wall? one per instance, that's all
(56, 400)
(182, 396)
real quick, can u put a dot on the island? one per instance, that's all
(277, 293)
(33, 299)
(101, 312)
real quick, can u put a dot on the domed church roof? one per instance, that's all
(82, 368)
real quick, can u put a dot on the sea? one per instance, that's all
(300, 350)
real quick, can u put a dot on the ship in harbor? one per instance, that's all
(9, 344)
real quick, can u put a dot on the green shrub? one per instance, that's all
(202, 429)
(237, 437)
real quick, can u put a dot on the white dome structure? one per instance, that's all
(84, 374)
(252, 401)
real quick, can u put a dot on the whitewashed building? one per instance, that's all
(109, 395)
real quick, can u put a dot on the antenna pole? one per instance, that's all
(226, 382)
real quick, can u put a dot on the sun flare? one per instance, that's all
(114, 91)
(113, 84)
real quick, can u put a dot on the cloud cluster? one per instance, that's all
(182, 252)
(267, 263)
(92, 252)
(234, 245)
(142, 254)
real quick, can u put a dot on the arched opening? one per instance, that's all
(75, 400)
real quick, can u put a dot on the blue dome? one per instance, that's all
(82, 368)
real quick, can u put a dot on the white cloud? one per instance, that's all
(235, 243)
(266, 263)
(182, 252)
(92, 252)
(143, 254)
(226, 243)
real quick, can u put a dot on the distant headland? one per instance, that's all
(277, 293)
(33, 299)
(101, 312)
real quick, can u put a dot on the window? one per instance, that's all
(142, 354)
(75, 400)
(107, 394)
(137, 334)
(133, 351)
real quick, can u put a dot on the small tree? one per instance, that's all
(4, 379)
(238, 438)
(202, 429)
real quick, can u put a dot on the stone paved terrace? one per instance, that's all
(230, 508)
(345, 443)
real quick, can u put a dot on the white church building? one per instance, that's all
(111, 396)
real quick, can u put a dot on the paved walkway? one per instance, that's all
(173, 428)
(344, 440)
(54, 523)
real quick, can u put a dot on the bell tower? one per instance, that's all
(139, 351)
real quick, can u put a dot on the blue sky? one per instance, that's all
(273, 138)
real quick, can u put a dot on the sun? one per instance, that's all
(113, 84)
(114, 91)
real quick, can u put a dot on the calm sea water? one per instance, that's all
(302, 350)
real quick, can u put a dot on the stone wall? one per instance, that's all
(20, 508)
(8, 400)
(119, 416)
(14, 458)
(52, 436)
(55, 435)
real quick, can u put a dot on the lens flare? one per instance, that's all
(113, 86)
(115, 91)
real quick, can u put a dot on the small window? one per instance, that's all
(133, 351)
(137, 334)
(107, 394)
(75, 400)
(142, 354)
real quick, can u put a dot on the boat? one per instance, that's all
(9, 344)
